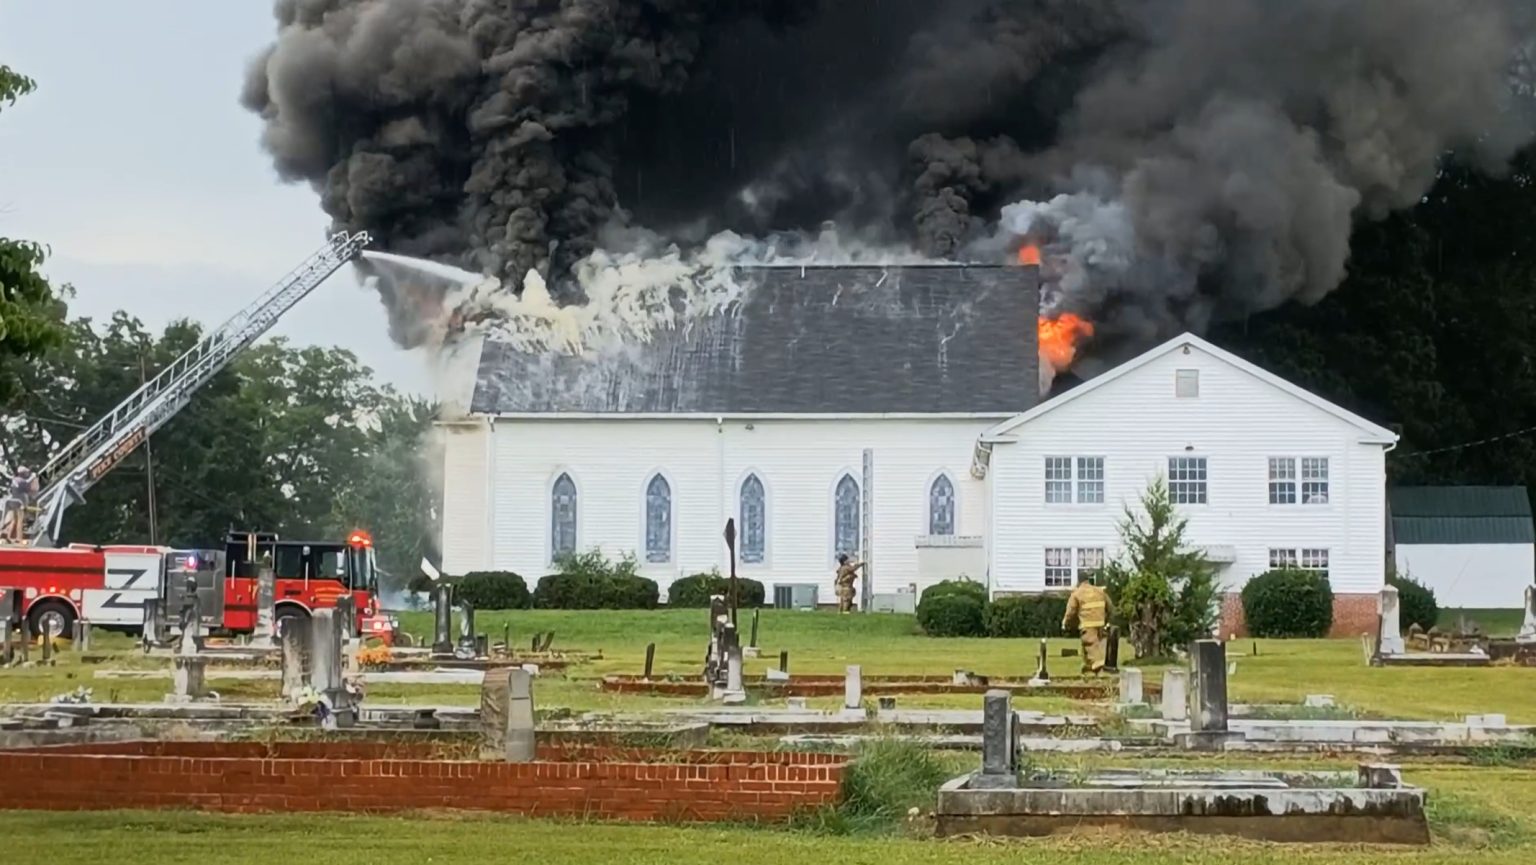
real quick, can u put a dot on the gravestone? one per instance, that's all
(1208, 716)
(522, 740)
(293, 642)
(442, 600)
(82, 635)
(326, 672)
(1175, 699)
(1528, 627)
(1130, 687)
(466, 646)
(716, 656)
(189, 668)
(735, 687)
(853, 687)
(346, 626)
(751, 650)
(10, 615)
(1042, 675)
(1391, 640)
(482, 645)
(1111, 649)
(266, 608)
(999, 741)
(650, 659)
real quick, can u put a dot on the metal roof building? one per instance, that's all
(1474, 545)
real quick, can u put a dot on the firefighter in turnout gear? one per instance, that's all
(847, 570)
(1089, 605)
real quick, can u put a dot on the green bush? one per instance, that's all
(961, 586)
(1288, 603)
(1025, 616)
(694, 591)
(589, 581)
(492, 590)
(1417, 602)
(958, 614)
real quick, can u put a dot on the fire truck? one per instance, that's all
(109, 584)
(126, 587)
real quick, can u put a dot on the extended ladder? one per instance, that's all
(91, 455)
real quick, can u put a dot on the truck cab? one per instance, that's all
(309, 575)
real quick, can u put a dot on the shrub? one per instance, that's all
(1417, 602)
(589, 581)
(493, 590)
(1288, 603)
(1025, 616)
(694, 591)
(957, 614)
(961, 586)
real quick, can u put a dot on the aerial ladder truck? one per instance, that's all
(109, 584)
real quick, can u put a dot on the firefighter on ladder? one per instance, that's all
(1089, 605)
(23, 489)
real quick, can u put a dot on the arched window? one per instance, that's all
(846, 524)
(562, 519)
(941, 506)
(754, 521)
(658, 521)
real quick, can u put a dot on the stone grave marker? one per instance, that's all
(507, 717)
(1528, 627)
(999, 741)
(1391, 640)
(1130, 687)
(293, 642)
(1175, 698)
(442, 600)
(466, 645)
(853, 687)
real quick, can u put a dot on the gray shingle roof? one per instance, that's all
(1461, 515)
(812, 340)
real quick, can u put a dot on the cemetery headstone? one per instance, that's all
(82, 636)
(1112, 649)
(853, 687)
(1130, 687)
(1528, 627)
(293, 643)
(466, 646)
(326, 672)
(1391, 640)
(999, 741)
(735, 686)
(1175, 699)
(1042, 675)
(521, 738)
(442, 620)
(650, 659)
(266, 608)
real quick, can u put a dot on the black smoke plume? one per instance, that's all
(1179, 160)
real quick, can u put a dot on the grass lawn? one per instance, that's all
(824, 642)
(1497, 623)
(1483, 816)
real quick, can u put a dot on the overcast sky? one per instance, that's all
(135, 162)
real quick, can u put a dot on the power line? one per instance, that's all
(1471, 444)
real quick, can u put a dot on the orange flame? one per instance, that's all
(1060, 337)
(1029, 255)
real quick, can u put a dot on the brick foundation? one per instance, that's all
(1353, 615)
(366, 777)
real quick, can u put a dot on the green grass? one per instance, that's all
(1283, 671)
(1495, 623)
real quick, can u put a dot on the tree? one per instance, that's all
(1164, 592)
(31, 313)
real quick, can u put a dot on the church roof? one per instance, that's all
(829, 340)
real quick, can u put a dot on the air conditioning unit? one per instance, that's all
(795, 596)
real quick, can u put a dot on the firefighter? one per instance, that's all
(847, 569)
(1089, 605)
(24, 487)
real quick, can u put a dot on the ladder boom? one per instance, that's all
(87, 458)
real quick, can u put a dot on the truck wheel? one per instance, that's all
(57, 617)
(286, 612)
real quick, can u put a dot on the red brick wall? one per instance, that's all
(1353, 615)
(369, 777)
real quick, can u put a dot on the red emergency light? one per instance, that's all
(360, 538)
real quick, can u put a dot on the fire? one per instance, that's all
(1060, 336)
(1029, 255)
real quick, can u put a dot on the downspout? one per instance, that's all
(720, 475)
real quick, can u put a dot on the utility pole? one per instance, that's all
(149, 466)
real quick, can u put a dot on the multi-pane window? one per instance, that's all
(1079, 479)
(941, 506)
(846, 525)
(1187, 480)
(1287, 486)
(1314, 480)
(658, 521)
(754, 521)
(1314, 560)
(1309, 559)
(1058, 567)
(562, 529)
(1282, 481)
(1058, 480)
(1059, 570)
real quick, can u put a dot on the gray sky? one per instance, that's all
(135, 162)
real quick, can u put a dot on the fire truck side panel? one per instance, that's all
(240, 604)
(130, 580)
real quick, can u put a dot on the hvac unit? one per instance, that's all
(795, 596)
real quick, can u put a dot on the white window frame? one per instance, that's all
(1284, 559)
(1316, 559)
(1186, 384)
(1292, 478)
(1073, 485)
(1179, 487)
(1084, 567)
(1064, 575)
(1315, 474)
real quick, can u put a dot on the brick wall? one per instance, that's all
(1353, 615)
(370, 777)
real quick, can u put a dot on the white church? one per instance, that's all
(893, 413)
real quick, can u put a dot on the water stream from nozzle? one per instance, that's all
(430, 268)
